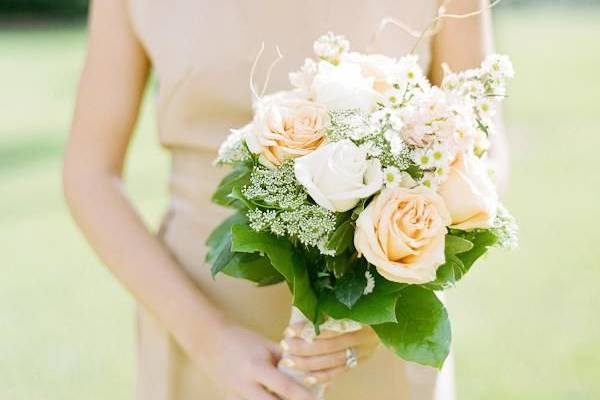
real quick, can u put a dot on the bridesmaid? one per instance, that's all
(199, 338)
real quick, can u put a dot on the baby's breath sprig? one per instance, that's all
(374, 133)
(506, 230)
(234, 149)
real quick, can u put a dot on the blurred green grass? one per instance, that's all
(526, 324)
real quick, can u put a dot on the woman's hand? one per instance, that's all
(325, 357)
(244, 365)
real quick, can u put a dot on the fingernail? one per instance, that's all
(284, 345)
(288, 362)
(289, 332)
(310, 380)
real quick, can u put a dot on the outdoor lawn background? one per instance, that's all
(526, 324)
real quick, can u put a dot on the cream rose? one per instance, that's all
(343, 86)
(469, 193)
(338, 175)
(285, 126)
(402, 233)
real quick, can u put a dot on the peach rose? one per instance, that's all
(402, 233)
(469, 193)
(285, 126)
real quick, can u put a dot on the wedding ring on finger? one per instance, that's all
(351, 359)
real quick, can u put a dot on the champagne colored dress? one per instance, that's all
(202, 53)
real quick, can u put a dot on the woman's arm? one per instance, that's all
(109, 96)
(110, 92)
(463, 44)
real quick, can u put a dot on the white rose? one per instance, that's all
(374, 66)
(469, 193)
(303, 78)
(343, 87)
(337, 175)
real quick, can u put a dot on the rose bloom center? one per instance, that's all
(413, 221)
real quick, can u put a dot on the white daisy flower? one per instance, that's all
(485, 107)
(441, 156)
(392, 177)
(450, 82)
(475, 88)
(498, 66)
(434, 179)
(423, 158)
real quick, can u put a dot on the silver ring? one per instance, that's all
(351, 359)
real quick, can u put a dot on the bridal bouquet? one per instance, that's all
(366, 189)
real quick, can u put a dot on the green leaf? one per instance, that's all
(455, 244)
(358, 209)
(422, 333)
(338, 264)
(482, 240)
(447, 274)
(242, 202)
(349, 288)
(216, 236)
(237, 178)
(223, 257)
(342, 237)
(219, 243)
(284, 259)
(254, 268)
(375, 308)
(458, 246)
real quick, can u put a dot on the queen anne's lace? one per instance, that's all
(275, 187)
(309, 223)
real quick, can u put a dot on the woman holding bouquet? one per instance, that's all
(200, 339)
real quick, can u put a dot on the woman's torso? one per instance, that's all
(202, 54)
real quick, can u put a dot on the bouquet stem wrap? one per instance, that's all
(308, 333)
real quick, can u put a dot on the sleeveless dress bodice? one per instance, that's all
(201, 53)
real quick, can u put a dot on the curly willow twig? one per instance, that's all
(433, 28)
(269, 71)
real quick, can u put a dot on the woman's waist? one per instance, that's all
(193, 179)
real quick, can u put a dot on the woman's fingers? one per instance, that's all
(258, 392)
(323, 361)
(297, 330)
(324, 376)
(282, 385)
(301, 347)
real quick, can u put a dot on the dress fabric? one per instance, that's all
(202, 54)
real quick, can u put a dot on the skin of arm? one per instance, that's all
(463, 44)
(110, 91)
(109, 96)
